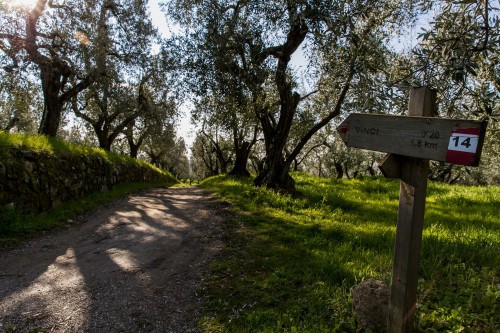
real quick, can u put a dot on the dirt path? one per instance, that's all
(134, 266)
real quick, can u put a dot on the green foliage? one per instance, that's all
(291, 260)
(16, 226)
(458, 56)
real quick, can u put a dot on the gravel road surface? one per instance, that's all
(135, 265)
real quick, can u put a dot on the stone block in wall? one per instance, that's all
(28, 166)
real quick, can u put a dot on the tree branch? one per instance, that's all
(309, 95)
(76, 89)
(486, 29)
(52, 5)
(31, 32)
(309, 151)
(330, 116)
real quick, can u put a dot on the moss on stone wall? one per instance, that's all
(41, 180)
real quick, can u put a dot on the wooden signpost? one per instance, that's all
(446, 140)
(412, 141)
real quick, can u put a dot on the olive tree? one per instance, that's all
(73, 45)
(45, 37)
(254, 41)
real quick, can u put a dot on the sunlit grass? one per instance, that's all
(42, 144)
(39, 143)
(291, 261)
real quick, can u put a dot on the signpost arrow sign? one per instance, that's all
(447, 140)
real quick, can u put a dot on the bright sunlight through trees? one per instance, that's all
(24, 4)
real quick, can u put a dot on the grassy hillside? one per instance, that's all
(291, 261)
(54, 146)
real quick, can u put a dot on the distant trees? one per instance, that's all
(203, 162)
(212, 152)
(167, 151)
(19, 103)
(225, 119)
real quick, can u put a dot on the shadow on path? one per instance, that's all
(134, 266)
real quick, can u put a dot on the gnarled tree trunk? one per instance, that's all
(276, 176)
(53, 105)
(240, 164)
(242, 152)
(276, 167)
(339, 170)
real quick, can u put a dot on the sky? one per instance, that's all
(184, 129)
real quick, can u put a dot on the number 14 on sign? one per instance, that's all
(464, 143)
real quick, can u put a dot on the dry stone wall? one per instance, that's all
(41, 181)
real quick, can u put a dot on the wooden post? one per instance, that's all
(414, 173)
(390, 166)
(411, 142)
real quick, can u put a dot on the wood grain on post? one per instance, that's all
(447, 140)
(412, 195)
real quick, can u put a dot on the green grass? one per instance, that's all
(41, 143)
(54, 146)
(16, 226)
(291, 261)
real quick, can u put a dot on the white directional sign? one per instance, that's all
(448, 140)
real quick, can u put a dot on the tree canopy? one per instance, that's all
(268, 80)
(246, 47)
